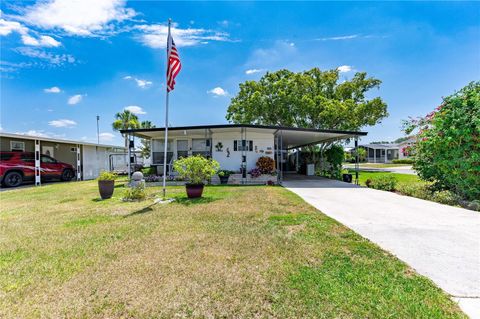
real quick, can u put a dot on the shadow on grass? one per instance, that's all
(194, 201)
(143, 210)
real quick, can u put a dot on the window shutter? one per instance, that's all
(235, 145)
(250, 146)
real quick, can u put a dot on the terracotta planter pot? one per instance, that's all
(106, 188)
(194, 190)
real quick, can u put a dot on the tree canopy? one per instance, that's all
(125, 120)
(311, 99)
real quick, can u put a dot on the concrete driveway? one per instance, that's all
(439, 241)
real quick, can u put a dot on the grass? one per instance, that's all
(239, 252)
(378, 165)
(401, 178)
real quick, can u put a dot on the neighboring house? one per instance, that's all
(236, 147)
(381, 153)
(88, 159)
(387, 152)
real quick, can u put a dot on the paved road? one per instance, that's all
(440, 242)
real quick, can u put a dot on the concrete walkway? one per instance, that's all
(439, 241)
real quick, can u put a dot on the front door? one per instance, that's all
(182, 148)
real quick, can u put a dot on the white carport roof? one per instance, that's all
(55, 140)
(292, 137)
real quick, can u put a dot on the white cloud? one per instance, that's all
(343, 37)
(82, 18)
(7, 27)
(135, 109)
(218, 91)
(75, 99)
(106, 137)
(42, 41)
(53, 89)
(253, 71)
(62, 123)
(155, 35)
(141, 83)
(53, 59)
(344, 68)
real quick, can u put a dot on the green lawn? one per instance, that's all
(401, 178)
(378, 165)
(239, 252)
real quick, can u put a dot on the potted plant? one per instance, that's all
(106, 184)
(196, 169)
(224, 175)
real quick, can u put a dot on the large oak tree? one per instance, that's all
(311, 99)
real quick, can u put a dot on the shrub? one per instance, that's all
(107, 176)
(224, 172)
(255, 172)
(196, 169)
(403, 161)
(445, 197)
(447, 151)
(384, 182)
(368, 182)
(148, 171)
(266, 165)
(136, 193)
(418, 190)
(335, 156)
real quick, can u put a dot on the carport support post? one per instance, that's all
(129, 154)
(38, 180)
(356, 160)
(79, 168)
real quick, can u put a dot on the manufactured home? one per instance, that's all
(237, 147)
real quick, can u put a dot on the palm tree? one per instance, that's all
(145, 148)
(123, 121)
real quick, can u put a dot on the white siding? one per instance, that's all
(261, 142)
(95, 160)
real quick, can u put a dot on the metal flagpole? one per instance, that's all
(166, 114)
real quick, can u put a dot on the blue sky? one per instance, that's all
(63, 62)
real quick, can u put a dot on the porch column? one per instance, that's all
(386, 158)
(281, 157)
(374, 155)
(79, 164)
(129, 155)
(38, 179)
(296, 161)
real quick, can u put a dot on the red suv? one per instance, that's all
(17, 167)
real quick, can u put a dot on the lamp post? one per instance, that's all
(98, 131)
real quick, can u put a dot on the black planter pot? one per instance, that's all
(194, 190)
(347, 178)
(106, 189)
(224, 179)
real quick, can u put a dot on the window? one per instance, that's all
(73, 149)
(47, 159)
(243, 145)
(16, 146)
(28, 157)
(5, 156)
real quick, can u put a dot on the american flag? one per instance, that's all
(174, 65)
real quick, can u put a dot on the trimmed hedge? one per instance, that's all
(403, 161)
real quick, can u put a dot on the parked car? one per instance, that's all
(19, 167)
